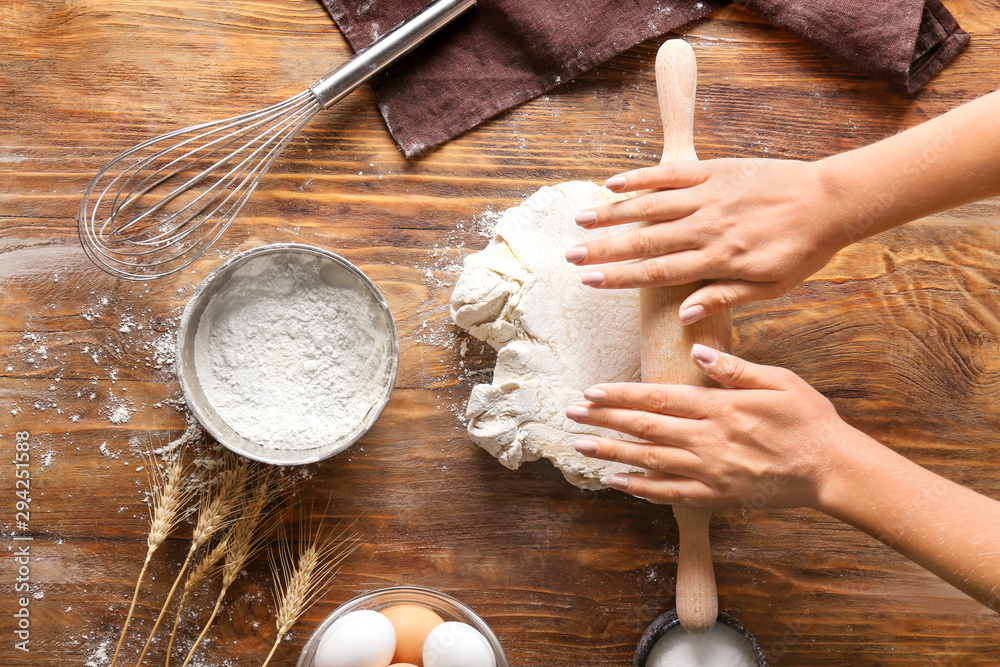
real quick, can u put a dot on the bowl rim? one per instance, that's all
(358, 602)
(184, 349)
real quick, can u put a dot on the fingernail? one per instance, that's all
(618, 481)
(596, 395)
(586, 218)
(692, 314)
(576, 254)
(586, 447)
(615, 183)
(592, 278)
(577, 412)
(704, 354)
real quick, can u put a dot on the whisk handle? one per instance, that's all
(394, 44)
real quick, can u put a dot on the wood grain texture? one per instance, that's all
(900, 331)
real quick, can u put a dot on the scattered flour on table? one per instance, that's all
(99, 656)
(445, 264)
(440, 271)
(119, 412)
(554, 337)
(120, 339)
(290, 360)
(193, 433)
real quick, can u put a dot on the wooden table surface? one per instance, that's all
(901, 331)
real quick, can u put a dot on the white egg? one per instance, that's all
(455, 644)
(360, 639)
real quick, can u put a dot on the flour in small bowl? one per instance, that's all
(293, 353)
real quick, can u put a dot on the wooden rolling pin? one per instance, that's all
(666, 343)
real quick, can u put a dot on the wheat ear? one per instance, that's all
(168, 496)
(299, 579)
(213, 513)
(245, 540)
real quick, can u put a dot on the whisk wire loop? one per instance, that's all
(157, 207)
(188, 160)
(217, 187)
(198, 183)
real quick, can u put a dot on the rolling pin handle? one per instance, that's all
(696, 596)
(676, 84)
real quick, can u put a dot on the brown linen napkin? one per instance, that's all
(505, 52)
(903, 42)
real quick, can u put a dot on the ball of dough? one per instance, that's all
(554, 336)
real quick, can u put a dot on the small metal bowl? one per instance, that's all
(669, 621)
(446, 607)
(198, 402)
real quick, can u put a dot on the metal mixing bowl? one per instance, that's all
(446, 607)
(340, 272)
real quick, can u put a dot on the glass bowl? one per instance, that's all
(446, 607)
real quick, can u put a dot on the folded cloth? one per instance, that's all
(903, 42)
(505, 52)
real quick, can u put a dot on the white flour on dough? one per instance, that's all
(554, 336)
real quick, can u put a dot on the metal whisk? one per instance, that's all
(157, 207)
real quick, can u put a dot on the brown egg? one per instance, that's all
(412, 623)
(402, 664)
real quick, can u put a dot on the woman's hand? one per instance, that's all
(755, 228)
(768, 442)
(774, 441)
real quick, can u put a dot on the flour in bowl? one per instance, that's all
(293, 355)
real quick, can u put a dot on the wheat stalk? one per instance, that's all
(213, 513)
(300, 579)
(206, 566)
(168, 496)
(245, 539)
